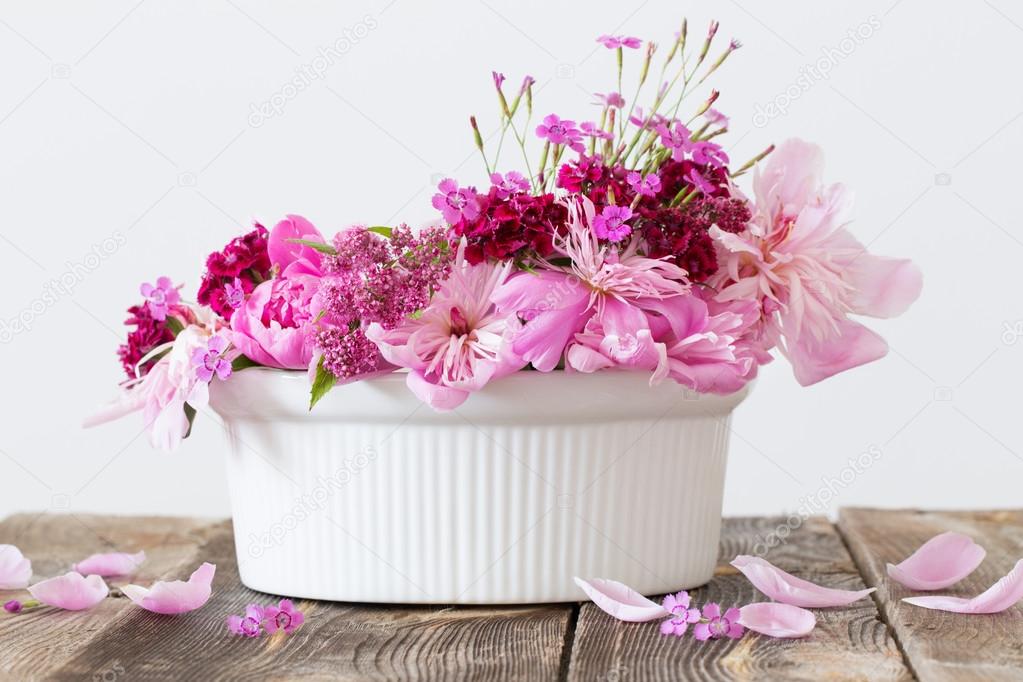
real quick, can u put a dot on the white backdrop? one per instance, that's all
(135, 137)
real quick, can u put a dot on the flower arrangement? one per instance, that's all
(625, 243)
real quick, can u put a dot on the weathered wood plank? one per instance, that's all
(339, 641)
(938, 645)
(39, 641)
(848, 644)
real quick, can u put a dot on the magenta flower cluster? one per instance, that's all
(620, 240)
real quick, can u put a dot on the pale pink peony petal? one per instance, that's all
(15, 569)
(788, 589)
(620, 601)
(176, 596)
(1000, 596)
(777, 620)
(113, 563)
(71, 591)
(943, 560)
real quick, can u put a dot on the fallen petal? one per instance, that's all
(994, 599)
(15, 569)
(114, 563)
(621, 601)
(175, 596)
(788, 589)
(943, 560)
(777, 620)
(71, 591)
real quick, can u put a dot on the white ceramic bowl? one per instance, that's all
(374, 497)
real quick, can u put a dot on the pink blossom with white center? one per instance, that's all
(210, 361)
(808, 273)
(459, 342)
(677, 138)
(456, 202)
(560, 131)
(160, 297)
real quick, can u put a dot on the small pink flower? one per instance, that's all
(456, 202)
(639, 120)
(558, 131)
(701, 183)
(615, 42)
(498, 79)
(611, 99)
(715, 117)
(611, 223)
(678, 139)
(161, 297)
(210, 360)
(590, 129)
(681, 615)
(234, 294)
(718, 625)
(647, 186)
(511, 183)
(284, 617)
(709, 154)
(249, 625)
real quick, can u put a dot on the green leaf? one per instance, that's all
(318, 246)
(175, 325)
(323, 382)
(381, 230)
(242, 362)
(190, 416)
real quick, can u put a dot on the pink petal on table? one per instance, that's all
(943, 560)
(114, 563)
(15, 569)
(621, 601)
(175, 596)
(71, 591)
(788, 589)
(994, 599)
(777, 620)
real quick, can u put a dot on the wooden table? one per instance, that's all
(874, 639)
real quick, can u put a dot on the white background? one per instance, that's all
(134, 119)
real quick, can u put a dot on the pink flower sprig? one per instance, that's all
(16, 606)
(681, 615)
(708, 623)
(284, 617)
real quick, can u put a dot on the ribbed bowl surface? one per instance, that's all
(374, 497)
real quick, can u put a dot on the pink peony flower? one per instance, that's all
(284, 617)
(807, 272)
(456, 203)
(458, 343)
(615, 42)
(160, 298)
(681, 615)
(718, 625)
(290, 257)
(71, 591)
(274, 328)
(557, 302)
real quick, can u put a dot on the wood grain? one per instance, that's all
(338, 642)
(848, 644)
(38, 641)
(939, 645)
